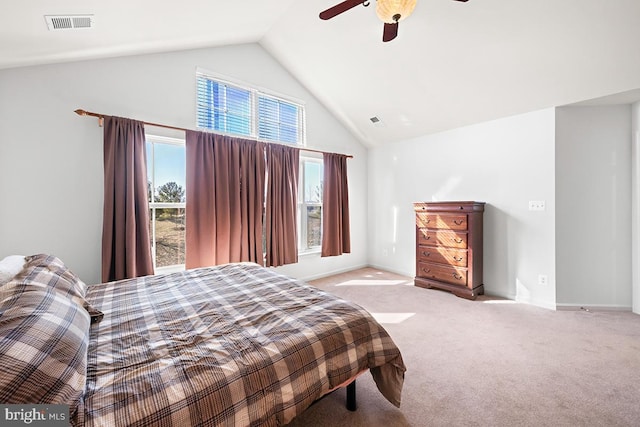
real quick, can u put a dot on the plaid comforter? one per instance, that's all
(234, 345)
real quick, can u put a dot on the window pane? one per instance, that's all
(288, 134)
(168, 172)
(268, 131)
(207, 90)
(236, 124)
(288, 114)
(314, 224)
(313, 182)
(238, 101)
(223, 107)
(268, 109)
(268, 119)
(277, 120)
(170, 236)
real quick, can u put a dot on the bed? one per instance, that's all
(231, 345)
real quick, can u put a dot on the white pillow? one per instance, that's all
(10, 266)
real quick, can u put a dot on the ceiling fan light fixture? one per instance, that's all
(392, 11)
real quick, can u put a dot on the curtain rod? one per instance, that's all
(100, 117)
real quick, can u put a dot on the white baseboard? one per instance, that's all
(332, 272)
(392, 270)
(591, 307)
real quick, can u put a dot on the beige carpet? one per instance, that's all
(490, 362)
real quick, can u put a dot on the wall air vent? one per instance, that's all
(68, 22)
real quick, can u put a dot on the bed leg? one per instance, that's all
(352, 405)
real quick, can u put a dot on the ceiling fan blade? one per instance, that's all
(390, 32)
(462, 0)
(339, 8)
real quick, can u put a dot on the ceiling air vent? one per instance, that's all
(68, 22)
(377, 121)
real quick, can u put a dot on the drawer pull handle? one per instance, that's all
(455, 276)
(458, 221)
(427, 237)
(426, 253)
(427, 221)
(458, 240)
(456, 258)
(425, 270)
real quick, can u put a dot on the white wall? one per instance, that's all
(593, 206)
(635, 209)
(51, 159)
(504, 163)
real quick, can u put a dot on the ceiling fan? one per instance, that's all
(389, 11)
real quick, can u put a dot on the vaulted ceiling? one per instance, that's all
(453, 63)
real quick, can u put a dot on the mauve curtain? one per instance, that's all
(126, 247)
(336, 238)
(281, 208)
(224, 199)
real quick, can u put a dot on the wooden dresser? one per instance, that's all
(449, 247)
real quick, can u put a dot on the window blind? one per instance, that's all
(245, 111)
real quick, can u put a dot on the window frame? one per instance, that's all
(255, 94)
(153, 205)
(303, 204)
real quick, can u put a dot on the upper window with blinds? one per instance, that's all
(237, 109)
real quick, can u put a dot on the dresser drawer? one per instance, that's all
(443, 221)
(442, 255)
(456, 276)
(450, 239)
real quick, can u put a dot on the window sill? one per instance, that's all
(309, 252)
(170, 269)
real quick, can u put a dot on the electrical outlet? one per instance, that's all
(536, 205)
(542, 279)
